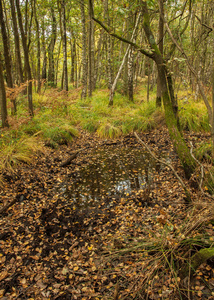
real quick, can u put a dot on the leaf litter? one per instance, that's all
(101, 227)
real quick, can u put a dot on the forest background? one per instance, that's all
(110, 68)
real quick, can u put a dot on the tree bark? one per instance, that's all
(26, 55)
(121, 66)
(38, 50)
(108, 37)
(51, 69)
(84, 51)
(17, 44)
(160, 45)
(7, 56)
(3, 98)
(171, 121)
(65, 64)
(44, 66)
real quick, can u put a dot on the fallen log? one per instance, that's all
(68, 161)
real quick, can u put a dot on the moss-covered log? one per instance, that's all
(196, 260)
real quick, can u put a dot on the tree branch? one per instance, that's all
(109, 31)
(168, 165)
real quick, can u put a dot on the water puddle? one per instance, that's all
(113, 172)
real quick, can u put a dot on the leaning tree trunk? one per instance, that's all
(171, 120)
(111, 95)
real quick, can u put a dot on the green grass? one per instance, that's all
(17, 150)
(59, 114)
(193, 116)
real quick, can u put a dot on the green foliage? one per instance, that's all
(204, 151)
(193, 116)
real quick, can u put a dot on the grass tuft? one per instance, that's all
(193, 116)
(17, 151)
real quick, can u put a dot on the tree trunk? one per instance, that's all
(3, 99)
(108, 37)
(160, 44)
(38, 50)
(51, 69)
(171, 121)
(6, 54)
(84, 51)
(44, 66)
(65, 65)
(111, 95)
(90, 55)
(26, 55)
(17, 44)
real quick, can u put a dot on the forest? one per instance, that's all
(106, 149)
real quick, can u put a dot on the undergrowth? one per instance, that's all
(58, 114)
(169, 250)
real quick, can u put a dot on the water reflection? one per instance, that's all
(112, 172)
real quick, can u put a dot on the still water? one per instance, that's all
(112, 172)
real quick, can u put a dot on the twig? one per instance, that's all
(168, 165)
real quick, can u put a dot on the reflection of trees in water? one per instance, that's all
(111, 173)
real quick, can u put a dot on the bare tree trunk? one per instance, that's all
(84, 51)
(121, 66)
(65, 65)
(44, 66)
(17, 44)
(3, 99)
(160, 45)
(108, 37)
(6, 53)
(51, 69)
(90, 54)
(38, 50)
(26, 55)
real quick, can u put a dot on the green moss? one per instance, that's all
(196, 260)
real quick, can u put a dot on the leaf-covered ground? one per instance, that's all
(52, 248)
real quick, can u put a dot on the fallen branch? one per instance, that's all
(5, 208)
(69, 160)
(168, 165)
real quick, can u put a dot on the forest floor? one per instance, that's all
(113, 248)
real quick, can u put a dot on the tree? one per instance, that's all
(6, 53)
(84, 55)
(160, 44)
(17, 43)
(26, 56)
(38, 49)
(3, 98)
(51, 46)
(170, 117)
